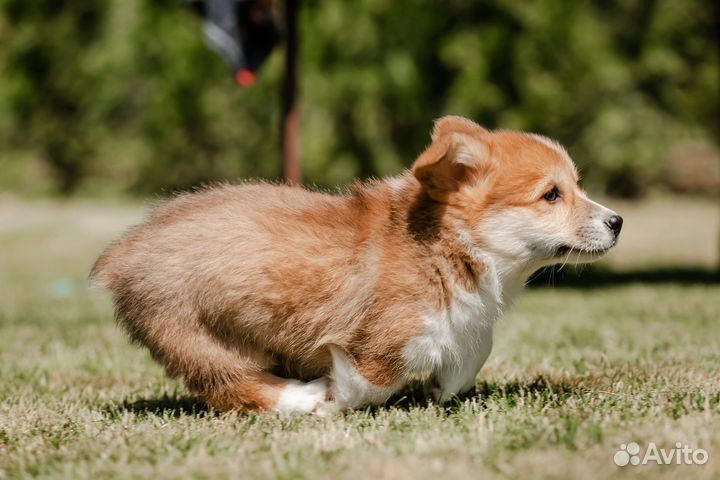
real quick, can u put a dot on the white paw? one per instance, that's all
(300, 397)
(325, 409)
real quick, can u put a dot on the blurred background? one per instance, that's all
(121, 100)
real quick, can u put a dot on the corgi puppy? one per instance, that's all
(275, 298)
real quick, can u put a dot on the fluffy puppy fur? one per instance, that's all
(270, 297)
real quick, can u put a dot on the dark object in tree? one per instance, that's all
(242, 32)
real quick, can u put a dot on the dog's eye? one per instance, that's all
(552, 195)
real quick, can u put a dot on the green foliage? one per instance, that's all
(199, 125)
(139, 102)
(50, 80)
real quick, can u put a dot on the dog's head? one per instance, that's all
(516, 194)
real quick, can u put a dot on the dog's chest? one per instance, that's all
(456, 339)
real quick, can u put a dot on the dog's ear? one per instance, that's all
(457, 153)
(455, 124)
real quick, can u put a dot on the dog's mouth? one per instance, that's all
(567, 250)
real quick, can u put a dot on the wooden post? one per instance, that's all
(290, 127)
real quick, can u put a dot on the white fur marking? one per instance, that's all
(457, 340)
(396, 184)
(299, 397)
(349, 388)
(456, 343)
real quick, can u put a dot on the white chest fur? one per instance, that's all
(457, 341)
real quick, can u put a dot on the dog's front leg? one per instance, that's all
(351, 389)
(459, 378)
(450, 383)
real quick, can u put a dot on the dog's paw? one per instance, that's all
(326, 408)
(298, 397)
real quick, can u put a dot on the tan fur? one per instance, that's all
(237, 288)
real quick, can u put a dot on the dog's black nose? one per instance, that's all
(614, 223)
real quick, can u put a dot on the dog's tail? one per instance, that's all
(108, 269)
(100, 275)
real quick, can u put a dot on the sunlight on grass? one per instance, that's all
(574, 373)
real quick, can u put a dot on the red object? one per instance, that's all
(245, 78)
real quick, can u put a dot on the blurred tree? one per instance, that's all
(617, 82)
(199, 125)
(49, 83)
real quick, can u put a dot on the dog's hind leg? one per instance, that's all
(228, 376)
(260, 390)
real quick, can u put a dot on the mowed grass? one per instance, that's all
(574, 374)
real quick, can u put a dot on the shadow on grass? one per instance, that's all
(167, 405)
(548, 387)
(598, 277)
(412, 397)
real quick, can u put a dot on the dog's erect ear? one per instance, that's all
(456, 155)
(455, 124)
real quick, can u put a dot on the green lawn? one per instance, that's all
(574, 374)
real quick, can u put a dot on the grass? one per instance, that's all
(574, 374)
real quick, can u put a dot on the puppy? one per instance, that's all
(271, 297)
